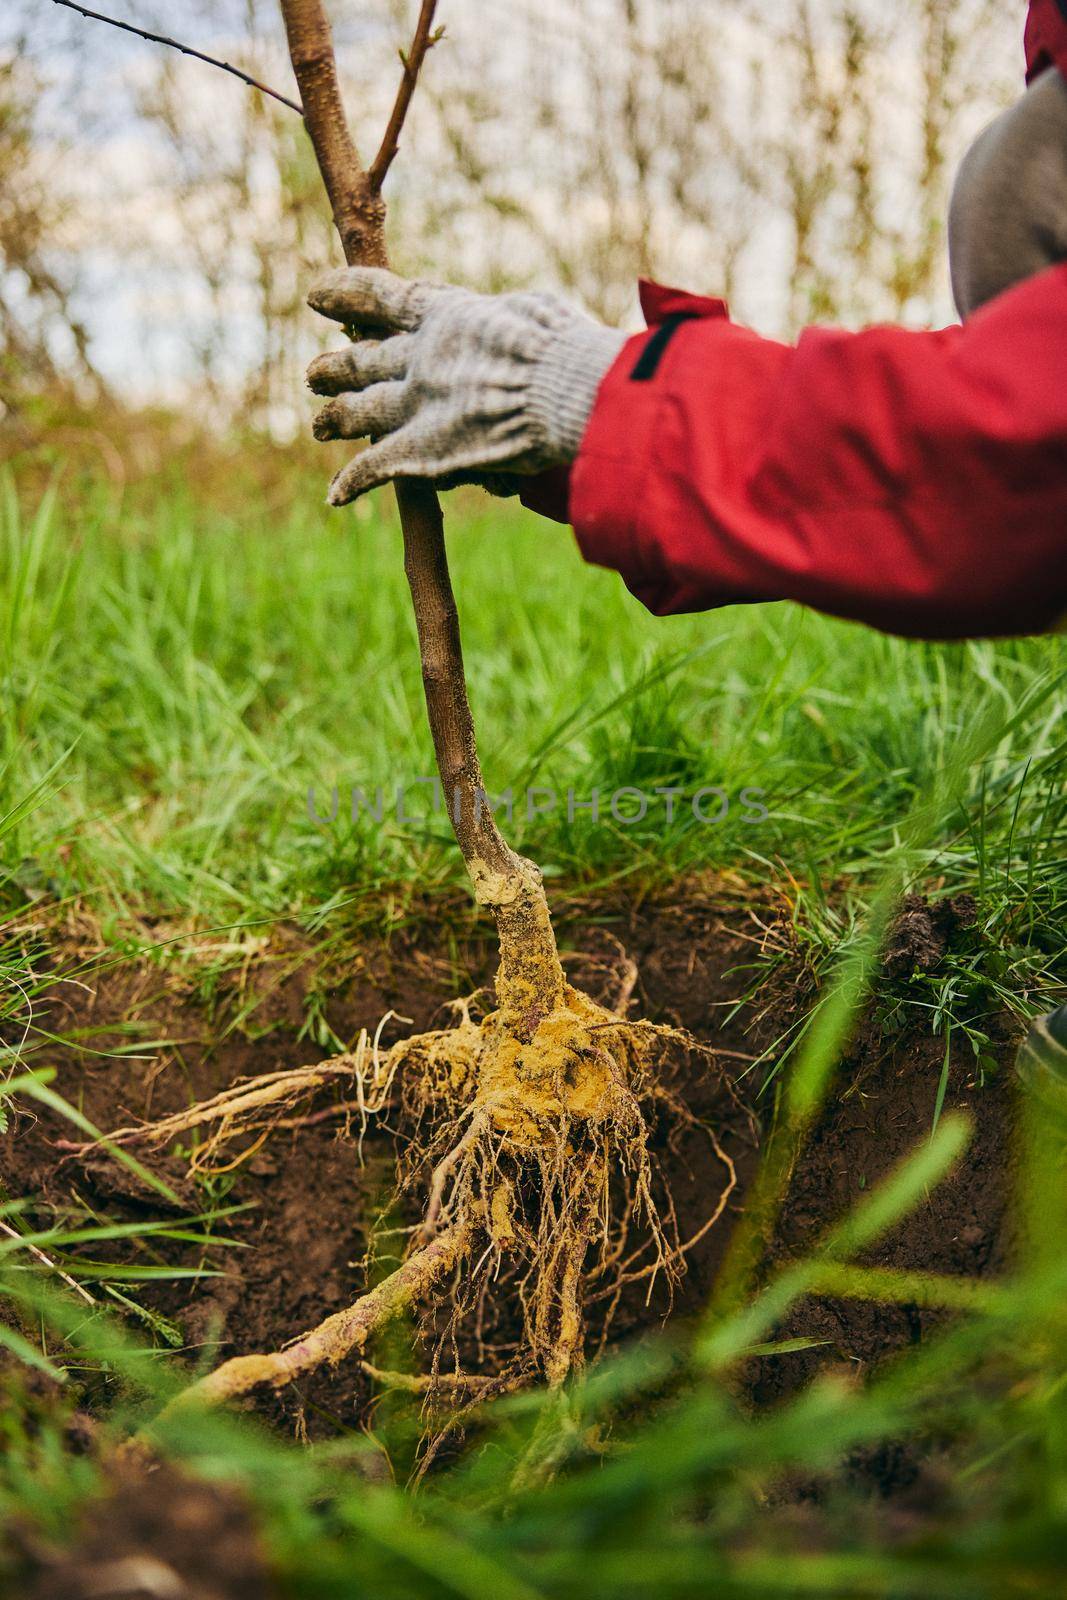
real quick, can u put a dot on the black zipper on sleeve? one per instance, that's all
(647, 363)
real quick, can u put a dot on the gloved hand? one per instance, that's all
(459, 384)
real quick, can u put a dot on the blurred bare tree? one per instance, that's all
(795, 157)
(43, 340)
(249, 200)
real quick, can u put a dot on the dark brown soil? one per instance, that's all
(963, 1227)
(314, 1204)
(156, 1535)
(923, 932)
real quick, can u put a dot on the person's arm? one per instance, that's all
(914, 481)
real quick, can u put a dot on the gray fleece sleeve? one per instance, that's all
(1008, 217)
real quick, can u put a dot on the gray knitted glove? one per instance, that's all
(460, 384)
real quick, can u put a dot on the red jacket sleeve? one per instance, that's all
(549, 493)
(914, 481)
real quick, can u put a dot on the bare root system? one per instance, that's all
(540, 1145)
(528, 1133)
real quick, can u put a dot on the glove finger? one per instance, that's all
(370, 361)
(375, 411)
(370, 297)
(369, 470)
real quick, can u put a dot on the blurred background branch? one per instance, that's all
(183, 49)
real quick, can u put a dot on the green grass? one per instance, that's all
(176, 679)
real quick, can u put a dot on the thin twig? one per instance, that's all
(47, 1261)
(424, 40)
(186, 50)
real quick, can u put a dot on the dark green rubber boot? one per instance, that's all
(1042, 1061)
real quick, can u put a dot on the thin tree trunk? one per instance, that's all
(530, 977)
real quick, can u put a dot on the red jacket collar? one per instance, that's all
(659, 302)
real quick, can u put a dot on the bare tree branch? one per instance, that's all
(185, 49)
(424, 41)
(359, 216)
